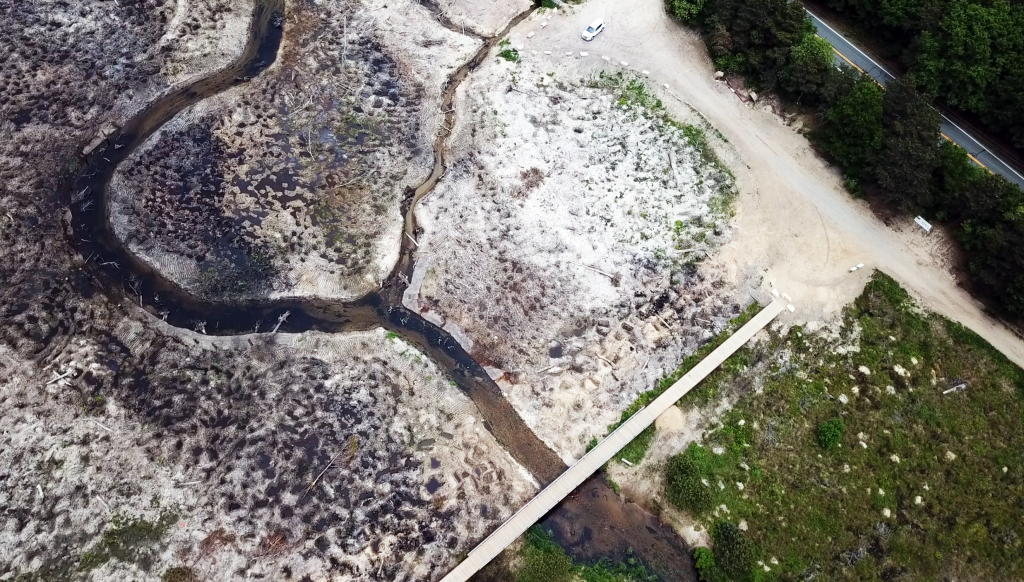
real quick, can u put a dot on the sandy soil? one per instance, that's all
(291, 185)
(484, 17)
(796, 225)
(75, 68)
(558, 247)
(220, 440)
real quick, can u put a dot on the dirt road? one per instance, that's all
(795, 223)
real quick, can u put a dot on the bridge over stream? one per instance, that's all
(561, 487)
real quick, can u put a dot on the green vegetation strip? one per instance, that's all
(889, 142)
(128, 540)
(860, 458)
(542, 560)
(634, 452)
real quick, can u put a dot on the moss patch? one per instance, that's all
(127, 540)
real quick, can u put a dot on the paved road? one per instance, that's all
(847, 53)
(540, 505)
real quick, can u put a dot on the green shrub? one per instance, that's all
(735, 553)
(706, 566)
(685, 474)
(543, 559)
(830, 433)
(510, 54)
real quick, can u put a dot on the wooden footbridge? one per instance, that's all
(561, 487)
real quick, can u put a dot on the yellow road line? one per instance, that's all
(854, 65)
(973, 159)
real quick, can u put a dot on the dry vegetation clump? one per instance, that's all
(565, 239)
(149, 453)
(69, 68)
(292, 184)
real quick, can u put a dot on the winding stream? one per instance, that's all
(112, 269)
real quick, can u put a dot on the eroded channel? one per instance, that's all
(113, 269)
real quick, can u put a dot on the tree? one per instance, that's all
(993, 237)
(957, 177)
(760, 34)
(686, 10)
(905, 165)
(852, 133)
(811, 70)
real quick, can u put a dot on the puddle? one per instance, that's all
(433, 485)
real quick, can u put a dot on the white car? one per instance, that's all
(593, 30)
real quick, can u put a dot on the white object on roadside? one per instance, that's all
(547, 52)
(568, 54)
(787, 297)
(852, 269)
(860, 265)
(647, 73)
(791, 308)
(923, 223)
(627, 463)
(775, 292)
(543, 24)
(666, 85)
(624, 63)
(607, 58)
(583, 54)
(530, 34)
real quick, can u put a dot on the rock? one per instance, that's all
(719, 74)
(627, 326)
(950, 456)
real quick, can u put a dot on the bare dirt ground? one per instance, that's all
(129, 450)
(71, 69)
(291, 185)
(559, 246)
(269, 455)
(486, 18)
(795, 225)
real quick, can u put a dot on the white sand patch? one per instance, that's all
(487, 18)
(557, 243)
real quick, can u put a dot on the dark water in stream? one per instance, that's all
(587, 523)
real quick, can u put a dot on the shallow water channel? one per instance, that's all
(112, 269)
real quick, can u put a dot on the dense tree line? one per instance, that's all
(888, 140)
(964, 51)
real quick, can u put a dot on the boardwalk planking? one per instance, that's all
(561, 487)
